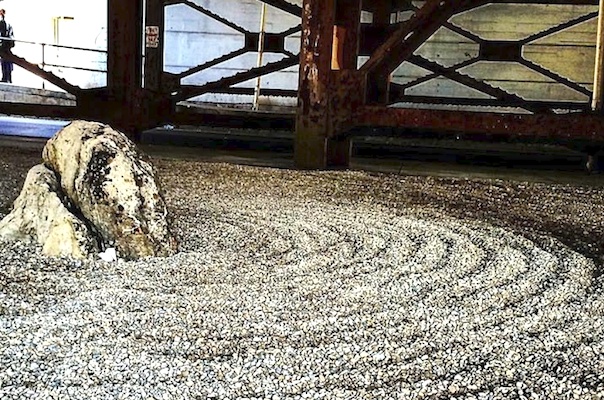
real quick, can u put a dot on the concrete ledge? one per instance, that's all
(19, 94)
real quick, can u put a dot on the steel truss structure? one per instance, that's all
(334, 93)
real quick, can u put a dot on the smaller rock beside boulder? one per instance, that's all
(97, 173)
(39, 214)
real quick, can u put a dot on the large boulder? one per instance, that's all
(113, 186)
(41, 214)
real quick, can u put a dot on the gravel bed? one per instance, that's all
(296, 285)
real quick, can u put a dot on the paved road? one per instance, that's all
(30, 127)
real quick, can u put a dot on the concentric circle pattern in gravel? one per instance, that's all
(283, 289)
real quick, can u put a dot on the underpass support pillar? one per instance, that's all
(161, 108)
(330, 37)
(345, 54)
(125, 99)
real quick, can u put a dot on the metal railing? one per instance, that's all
(51, 56)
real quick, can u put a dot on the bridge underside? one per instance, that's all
(336, 93)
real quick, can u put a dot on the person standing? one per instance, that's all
(6, 31)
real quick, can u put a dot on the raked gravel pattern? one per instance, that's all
(277, 293)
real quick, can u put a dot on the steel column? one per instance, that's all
(159, 107)
(344, 65)
(124, 63)
(312, 119)
(124, 67)
(154, 54)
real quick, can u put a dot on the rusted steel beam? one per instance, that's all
(211, 63)
(291, 31)
(413, 33)
(36, 70)
(312, 118)
(553, 127)
(559, 28)
(372, 37)
(263, 91)
(273, 42)
(377, 88)
(285, 6)
(155, 104)
(398, 97)
(454, 75)
(381, 12)
(209, 13)
(556, 77)
(233, 119)
(186, 92)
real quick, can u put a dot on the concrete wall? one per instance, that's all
(193, 38)
(43, 21)
(570, 53)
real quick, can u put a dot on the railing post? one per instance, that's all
(260, 55)
(43, 64)
(598, 90)
(596, 101)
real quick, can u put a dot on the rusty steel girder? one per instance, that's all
(329, 97)
(333, 95)
(342, 99)
(585, 127)
(412, 34)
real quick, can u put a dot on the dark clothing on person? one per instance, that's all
(7, 71)
(6, 31)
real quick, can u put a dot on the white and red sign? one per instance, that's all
(152, 36)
